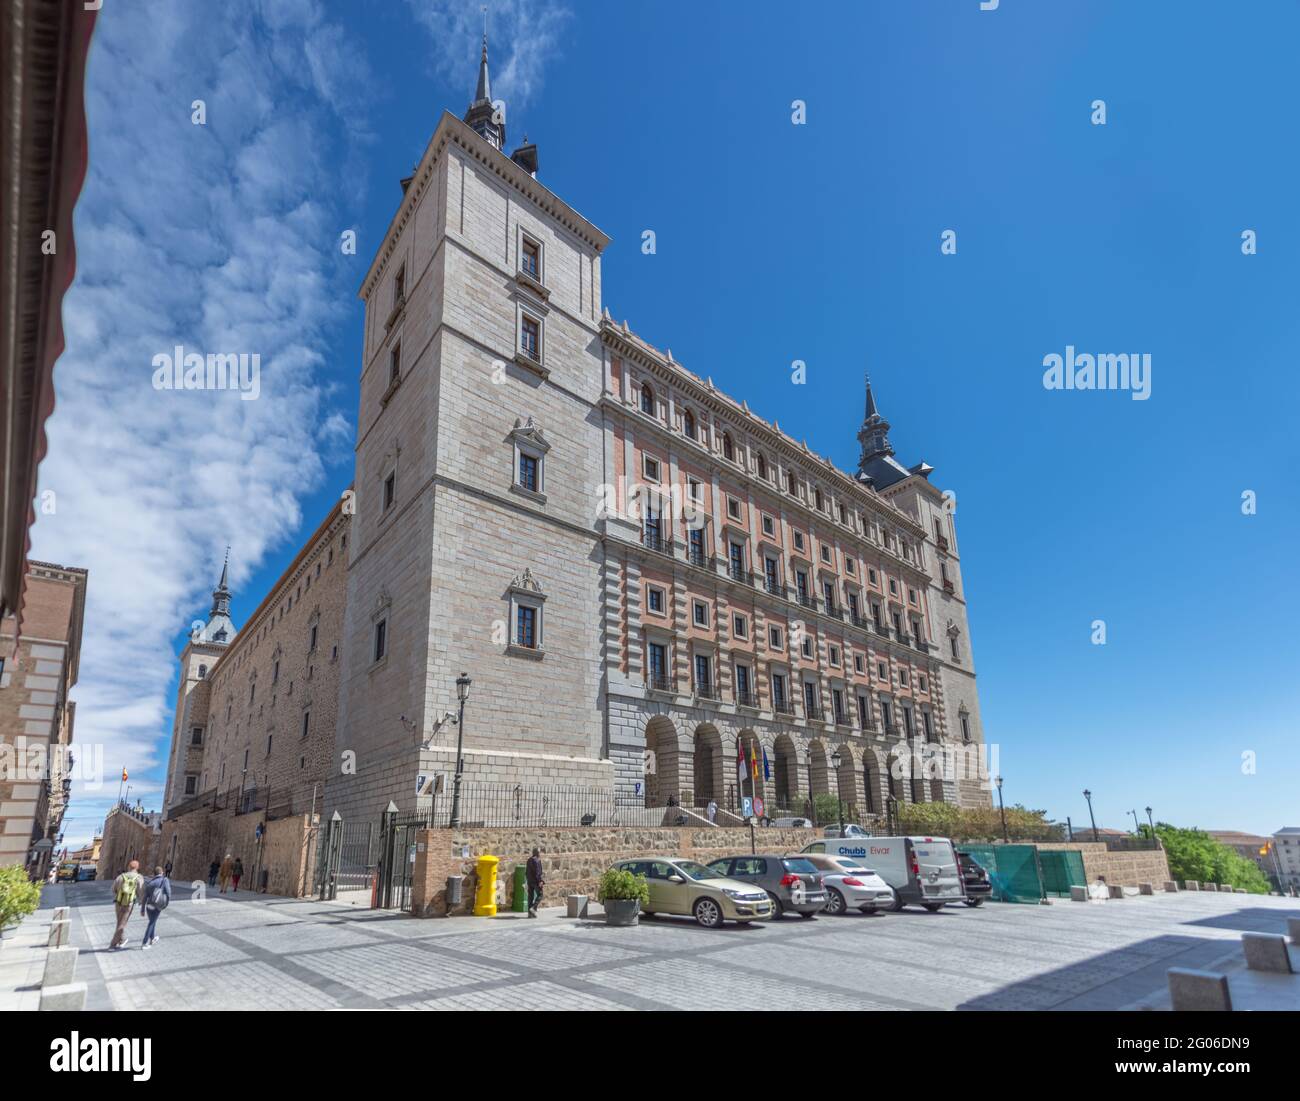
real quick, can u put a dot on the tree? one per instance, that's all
(19, 896)
(1194, 854)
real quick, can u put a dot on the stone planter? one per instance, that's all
(622, 911)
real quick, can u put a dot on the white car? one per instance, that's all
(851, 829)
(787, 823)
(851, 885)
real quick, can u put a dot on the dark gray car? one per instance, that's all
(792, 883)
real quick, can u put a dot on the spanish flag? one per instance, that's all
(124, 775)
(753, 762)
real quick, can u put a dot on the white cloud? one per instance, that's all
(215, 237)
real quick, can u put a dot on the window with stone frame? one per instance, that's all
(529, 448)
(526, 611)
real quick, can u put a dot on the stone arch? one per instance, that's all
(818, 769)
(872, 782)
(753, 749)
(663, 764)
(785, 771)
(896, 777)
(843, 782)
(708, 767)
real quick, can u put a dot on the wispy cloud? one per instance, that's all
(216, 237)
(524, 38)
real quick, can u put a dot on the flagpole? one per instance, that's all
(120, 783)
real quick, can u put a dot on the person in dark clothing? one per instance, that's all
(213, 869)
(167, 869)
(237, 873)
(155, 896)
(535, 882)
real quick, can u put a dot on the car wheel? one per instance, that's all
(835, 904)
(933, 907)
(807, 914)
(708, 913)
(898, 905)
(973, 902)
(778, 910)
(868, 910)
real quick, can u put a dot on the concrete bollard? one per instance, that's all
(1116, 891)
(1078, 894)
(1266, 952)
(1293, 929)
(60, 963)
(1171, 885)
(577, 905)
(58, 934)
(61, 913)
(1191, 885)
(62, 999)
(1198, 990)
(1146, 889)
(1240, 891)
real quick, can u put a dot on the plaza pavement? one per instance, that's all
(251, 951)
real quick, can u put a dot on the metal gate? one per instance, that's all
(1013, 870)
(346, 858)
(397, 858)
(1062, 869)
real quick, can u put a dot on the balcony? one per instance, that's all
(812, 710)
(806, 601)
(746, 699)
(738, 573)
(842, 719)
(949, 587)
(830, 608)
(858, 622)
(920, 644)
(783, 707)
(941, 542)
(696, 557)
(706, 690)
(773, 587)
(651, 539)
(661, 682)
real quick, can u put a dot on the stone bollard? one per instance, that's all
(58, 934)
(1239, 891)
(1266, 952)
(1146, 889)
(1116, 891)
(1198, 990)
(61, 913)
(1191, 885)
(1293, 929)
(1078, 894)
(60, 963)
(71, 996)
(1171, 885)
(577, 905)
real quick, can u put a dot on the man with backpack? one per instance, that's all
(157, 894)
(125, 889)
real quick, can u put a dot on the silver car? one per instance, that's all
(791, 882)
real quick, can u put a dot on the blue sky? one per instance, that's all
(775, 242)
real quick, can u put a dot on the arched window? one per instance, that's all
(647, 399)
(688, 424)
(203, 671)
(728, 451)
(762, 467)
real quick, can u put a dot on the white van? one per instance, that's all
(922, 870)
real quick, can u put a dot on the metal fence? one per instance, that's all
(487, 804)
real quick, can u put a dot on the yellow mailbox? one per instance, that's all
(485, 898)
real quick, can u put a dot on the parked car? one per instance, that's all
(975, 878)
(679, 886)
(787, 823)
(922, 871)
(851, 829)
(68, 873)
(791, 882)
(851, 885)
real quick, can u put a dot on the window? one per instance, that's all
(828, 595)
(399, 286)
(859, 666)
(530, 337)
(740, 626)
(790, 484)
(853, 604)
(864, 718)
(742, 684)
(902, 677)
(696, 490)
(965, 726)
(871, 576)
(911, 596)
(817, 498)
(844, 516)
(696, 538)
(530, 258)
(798, 540)
(801, 586)
(810, 699)
(650, 467)
(395, 364)
(647, 399)
(837, 701)
(203, 671)
(920, 680)
(778, 691)
(528, 471)
(925, 723)
(700, 612)
(737, 556)
(774, 637)
(526, 627)
(851, 566)
(703, 680)
(770, 575)
(390, 494)
(196, 736)
(834, 654)
(733, 508)
(807, 648)
(907, 721)
(826, 553)
(882, 671)
(688, 424)
(381, 640)
(655, 599)
(887, 716)
(769, 526)
(893, 587)
(728, 451)
(268, 744)
(311, 640)
(762, 467)
(191, 785)
(306, 723)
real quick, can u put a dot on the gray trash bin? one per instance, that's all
(455, 891)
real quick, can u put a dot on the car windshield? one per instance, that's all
(850, 865)
(800, 866)
(695, 871)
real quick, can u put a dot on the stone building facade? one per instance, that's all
(253, 732)
(38, 667)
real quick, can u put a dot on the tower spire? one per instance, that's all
(220, 627)
(874, 433)
(482, 115)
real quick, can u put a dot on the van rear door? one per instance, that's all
(939, 874)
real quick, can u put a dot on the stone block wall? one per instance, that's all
(1124, 869)
(573, 858)
(127, 838)
(286, 852)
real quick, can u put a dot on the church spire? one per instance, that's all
(219, 627)
(482, 115)
(874, 433)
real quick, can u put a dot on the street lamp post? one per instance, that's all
(1137, 827)
(462, 693)
(1002, 810)
(1088, 795)
(836, 761)
(890, 812)
(1151, 821)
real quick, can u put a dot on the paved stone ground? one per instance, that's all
(261, 952)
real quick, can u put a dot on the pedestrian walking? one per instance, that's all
(712, 810)
(167, 869)
(213, 869)
(154, 899)
(54, 874)
(125, 889)
(536, 880)
(237, 873)
(226, 871)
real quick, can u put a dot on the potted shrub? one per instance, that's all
(19, 896)
(622, 894)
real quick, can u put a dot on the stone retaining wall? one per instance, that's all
(286, 851)
(573, 858)
(1124, 869)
